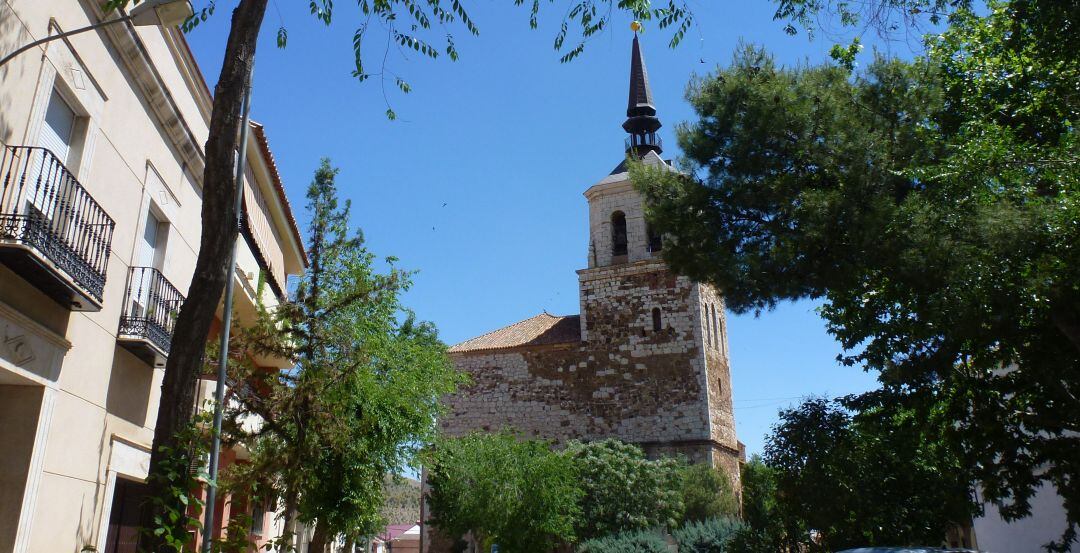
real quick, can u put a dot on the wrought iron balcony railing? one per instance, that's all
(151, 305)
(51, 230)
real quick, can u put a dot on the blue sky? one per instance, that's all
(509, 139)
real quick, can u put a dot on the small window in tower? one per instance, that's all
(656, 323)
(656, 241)
(618, 233)
(708, 329)
(714, 326)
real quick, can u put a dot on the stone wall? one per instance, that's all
(626, 380)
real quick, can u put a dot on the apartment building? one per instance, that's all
(100, 185)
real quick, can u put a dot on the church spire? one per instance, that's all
(641, 121)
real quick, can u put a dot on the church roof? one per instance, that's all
(641, 101)
(543, 329)
(650, 158)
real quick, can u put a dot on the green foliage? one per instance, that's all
(706, 494)
(366, 387)
(639, 541)
(513, 492)
(179, 511)
(427, 28)
(883, 476)
(886, 17)
(711, 535)
(933, 206)
(759, 508)
(624, 491)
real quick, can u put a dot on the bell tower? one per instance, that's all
(635, 309)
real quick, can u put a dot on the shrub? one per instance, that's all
(707, 536)
(707, 494)
(648, 541)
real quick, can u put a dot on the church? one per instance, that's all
(646, 360)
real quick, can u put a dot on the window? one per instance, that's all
(716, 334)
(656, 242)
(44, 193)
(150, 245)
(58, 130)
(618, 233)
(656, 323)
(708, 329)
(258, 517)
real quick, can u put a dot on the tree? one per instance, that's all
(406, 25)
(931, 205)
(881, 476)
(624, 491)
(764, 530)
(706, 494)
(505, 490)
(363, 395)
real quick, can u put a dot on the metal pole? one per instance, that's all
(226, 324)
(51, 38)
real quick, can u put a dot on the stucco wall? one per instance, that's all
(137, 121)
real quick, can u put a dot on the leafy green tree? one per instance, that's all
(390, 26)
(624, 491)
(763, 531)
(758, 493)
(505, 490)
(706, 494)
(931, 205)
(365, 391)
(883, 476)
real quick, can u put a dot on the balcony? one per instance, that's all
(646, 140)
(52, 232)
(151, 305)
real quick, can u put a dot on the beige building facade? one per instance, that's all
(100, 186)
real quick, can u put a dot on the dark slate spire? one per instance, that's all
(641, 121)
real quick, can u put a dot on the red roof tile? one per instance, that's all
(543, 329)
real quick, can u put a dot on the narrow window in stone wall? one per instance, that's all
(656, 323)
(723, 339)
(715, 332)
(708, 329)
(618, 233)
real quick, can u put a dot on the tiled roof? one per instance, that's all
(543, 329)
(279, 187)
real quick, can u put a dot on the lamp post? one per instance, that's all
(226, 326)
(166, 13)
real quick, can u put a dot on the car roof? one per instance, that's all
(907, 550)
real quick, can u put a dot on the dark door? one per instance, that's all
(127, 504)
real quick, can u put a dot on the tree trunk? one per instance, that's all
(319, 538)
(219, 232)
(291, 501)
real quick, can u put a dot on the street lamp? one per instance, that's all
(166, 13)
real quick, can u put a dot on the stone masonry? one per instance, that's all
(646, 360)
(612, 371)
